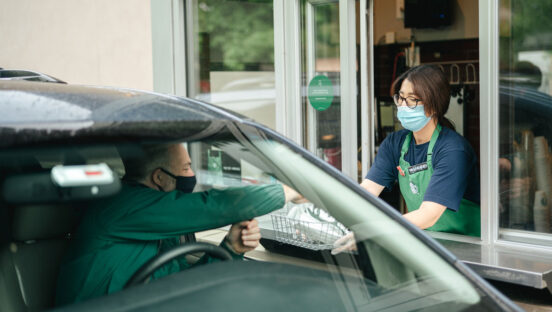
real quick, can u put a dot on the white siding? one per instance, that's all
(100, 42)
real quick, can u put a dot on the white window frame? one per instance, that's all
(169, 64)
(287, 59)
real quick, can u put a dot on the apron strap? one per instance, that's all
(408, 139)
(406, 144)
(432, 143)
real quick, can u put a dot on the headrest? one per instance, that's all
(37, 222)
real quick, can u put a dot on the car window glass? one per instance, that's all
(108, 155)
(48, 160)
(400, 262)
(390, 266)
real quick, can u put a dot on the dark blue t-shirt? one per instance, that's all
(455, 175)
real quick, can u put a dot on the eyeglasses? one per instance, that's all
(411, 102)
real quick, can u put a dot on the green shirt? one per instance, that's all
(119, 234)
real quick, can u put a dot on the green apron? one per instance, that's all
(413, 181)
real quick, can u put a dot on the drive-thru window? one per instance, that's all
(320, 71)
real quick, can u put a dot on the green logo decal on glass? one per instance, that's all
(320, 92)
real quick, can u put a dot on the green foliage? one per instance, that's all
(241, 33)
(327, 30)
(531, 23)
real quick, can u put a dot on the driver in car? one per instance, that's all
(154, 208)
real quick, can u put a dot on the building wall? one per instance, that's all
(98, 42)
(465, 23)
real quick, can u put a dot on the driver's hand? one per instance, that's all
(244, 236)
(345, 243)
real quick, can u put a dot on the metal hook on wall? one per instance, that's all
(474, 74)
(452, 80)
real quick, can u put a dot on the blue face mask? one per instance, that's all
(412, 119)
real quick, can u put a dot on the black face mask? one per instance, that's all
(183, 184)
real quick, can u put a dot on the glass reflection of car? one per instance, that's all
(525, 108)
(525, 134)
(46, 126)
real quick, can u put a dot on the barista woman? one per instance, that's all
(435, 166)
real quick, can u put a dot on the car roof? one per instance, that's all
(34, 112)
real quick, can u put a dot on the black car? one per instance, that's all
(50, 131)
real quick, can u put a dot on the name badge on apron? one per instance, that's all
(417, 168)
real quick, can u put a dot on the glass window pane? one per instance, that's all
(525, 115)
(321, 79)
(234, 57)
(455, 49)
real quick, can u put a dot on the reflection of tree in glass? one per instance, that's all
(531, 24)
(327, 30)
(241, 34)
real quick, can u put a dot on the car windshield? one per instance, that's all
(390, 268)
(399, 270)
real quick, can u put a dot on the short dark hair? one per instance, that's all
(140, 167)
(432, 86)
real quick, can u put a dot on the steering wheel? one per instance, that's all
(158, 261)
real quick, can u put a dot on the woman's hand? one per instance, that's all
(345, 243)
